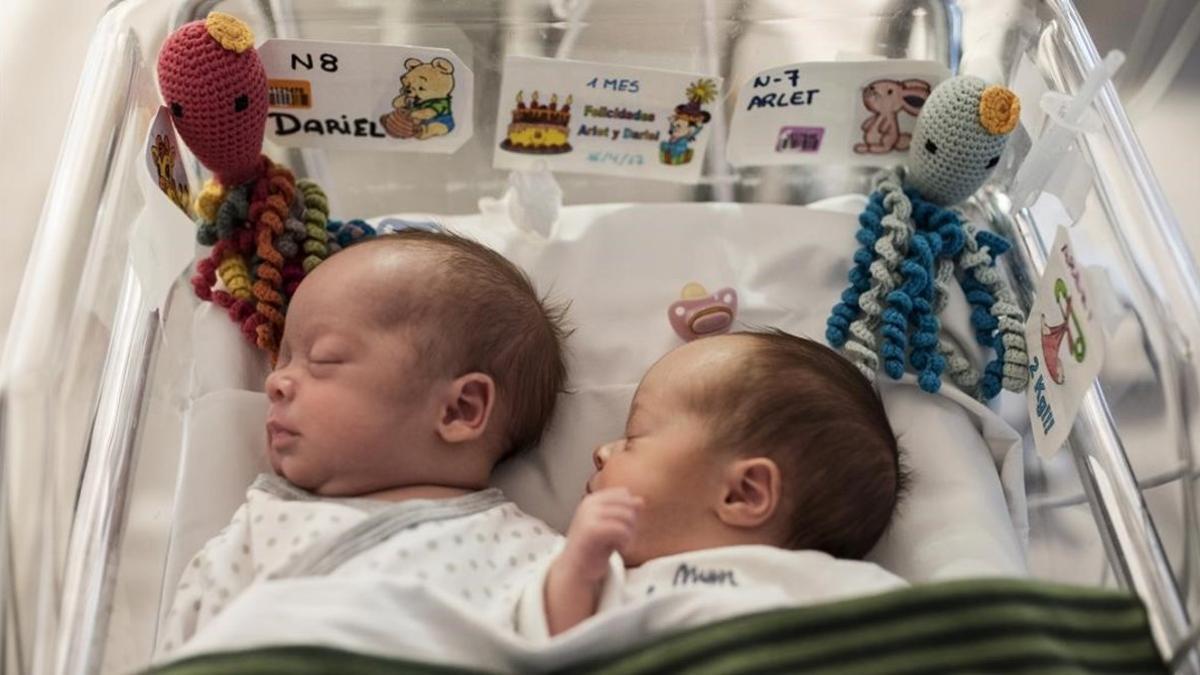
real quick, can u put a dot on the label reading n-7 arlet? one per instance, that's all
(367, 96)
(838, 112)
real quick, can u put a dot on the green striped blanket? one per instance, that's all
(978, 626)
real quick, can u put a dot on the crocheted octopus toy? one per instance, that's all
(914, 245)
(267, 229)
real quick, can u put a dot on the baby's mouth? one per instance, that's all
(279, 435)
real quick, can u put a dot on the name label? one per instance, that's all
(1066, 347)
(367, 96)
(830, 112)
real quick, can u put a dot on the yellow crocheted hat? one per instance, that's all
(231, 32)
(999, 110)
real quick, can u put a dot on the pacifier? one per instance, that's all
(698, 314)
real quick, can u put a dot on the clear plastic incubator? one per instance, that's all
(130, 410)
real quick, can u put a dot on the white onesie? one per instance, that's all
(478, 549)
(716, 583)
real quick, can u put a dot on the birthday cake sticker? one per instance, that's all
(366, 96)
(830, 112)
(599, 118)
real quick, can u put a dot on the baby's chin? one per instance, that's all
(296, 473)
(319, 480)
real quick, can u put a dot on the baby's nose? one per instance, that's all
(279, 386)
(601, 454)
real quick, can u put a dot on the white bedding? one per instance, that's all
(393, 617)
(621, 266)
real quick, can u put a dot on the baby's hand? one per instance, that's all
(603, 523)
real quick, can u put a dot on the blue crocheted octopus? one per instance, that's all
(913, 245)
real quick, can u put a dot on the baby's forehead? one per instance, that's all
(695, 368)
(711, 357)
(370, 280)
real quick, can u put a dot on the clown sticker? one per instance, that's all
(687, 122)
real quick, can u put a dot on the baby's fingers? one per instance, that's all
(618, 512)
(617, 496)
(612, 534)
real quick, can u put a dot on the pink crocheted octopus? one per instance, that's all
(266, 228)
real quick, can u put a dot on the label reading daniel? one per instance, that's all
(606, 119)
(366, 96)
(833, 112)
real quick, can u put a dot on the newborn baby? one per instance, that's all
(410, 366)
(755, 470)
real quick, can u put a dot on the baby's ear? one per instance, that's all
(751, 492)
(467, 407)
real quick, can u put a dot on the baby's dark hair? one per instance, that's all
(812, 412)
(491, 320)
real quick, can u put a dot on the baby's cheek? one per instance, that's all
(299, 471)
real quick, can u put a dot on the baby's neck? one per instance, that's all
(406, 492)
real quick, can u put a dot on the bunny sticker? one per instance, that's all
(886, 99)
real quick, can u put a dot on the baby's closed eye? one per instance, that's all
(326, 359)
(323, 360)
(329, 349)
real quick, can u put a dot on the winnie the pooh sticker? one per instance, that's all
(363, 96)
(423, 108)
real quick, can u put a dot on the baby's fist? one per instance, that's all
(603, 523)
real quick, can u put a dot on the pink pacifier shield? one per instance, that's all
(698, 313)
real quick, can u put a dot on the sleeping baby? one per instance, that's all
(410, 366)
(756, 470)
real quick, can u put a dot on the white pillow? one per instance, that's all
(621, 266)
(956, 519)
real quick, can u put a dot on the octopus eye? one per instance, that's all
(241, 103)
(931, 147)
(176, 110)
(993, 161)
